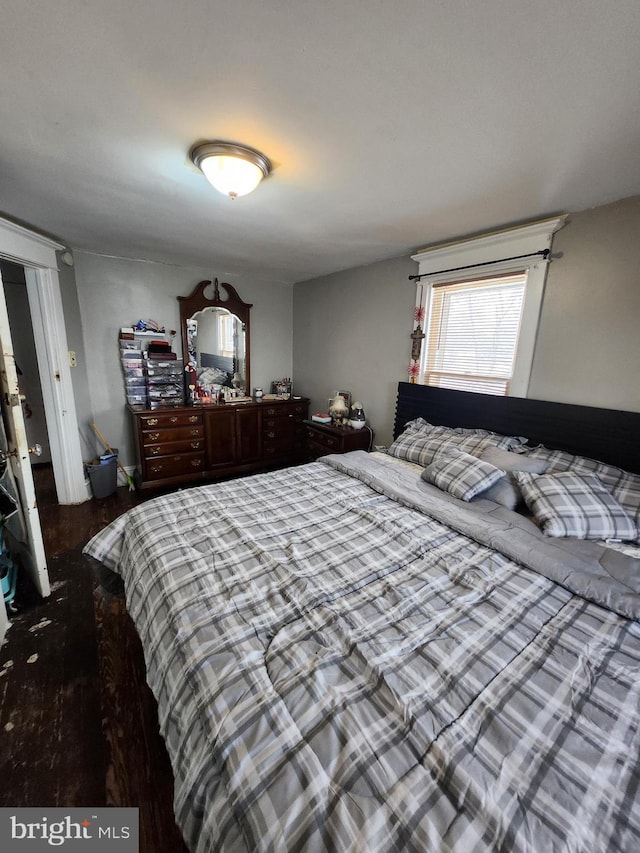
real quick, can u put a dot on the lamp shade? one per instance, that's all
(234, 170)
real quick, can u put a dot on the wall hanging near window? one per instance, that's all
(417, 336)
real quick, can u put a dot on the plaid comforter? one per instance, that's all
(336, 670)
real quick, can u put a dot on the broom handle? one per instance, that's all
(108, 447)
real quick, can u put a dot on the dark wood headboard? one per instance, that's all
(606, 434)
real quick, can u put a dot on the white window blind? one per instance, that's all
(225, 334)
(472, 333)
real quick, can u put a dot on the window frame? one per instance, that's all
(431, 364)
(480, 254)
(225, 333)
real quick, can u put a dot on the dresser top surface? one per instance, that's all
(341, 429)
(239, 404)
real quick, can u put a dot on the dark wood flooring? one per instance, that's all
(78, 724)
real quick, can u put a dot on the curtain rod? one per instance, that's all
(544, 252)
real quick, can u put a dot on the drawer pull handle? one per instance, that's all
(195, 445)
(196, 463)
(154, 436)
(174, 420)
(195, 432)
(154, 451)
(271, 434)
(152, 422)
(155, 469)
(193, 419)
(330, 441)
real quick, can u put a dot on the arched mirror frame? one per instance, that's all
(198, 301)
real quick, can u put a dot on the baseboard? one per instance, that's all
(122, 480)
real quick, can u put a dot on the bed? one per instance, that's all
(348, 657)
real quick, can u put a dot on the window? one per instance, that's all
(226, 328)
(478, 303)
(472, 334)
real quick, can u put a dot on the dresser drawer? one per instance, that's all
(272, 423)
(194, 443)
(278, 433)
(162, 420)
(172, 369)
(174, 465)
(285, 410)
(183, 433)
(326, 438)
(324, 441)
(277, 449)
(188, 446)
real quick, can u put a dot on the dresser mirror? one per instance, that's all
(214, 324)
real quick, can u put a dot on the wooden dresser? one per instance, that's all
(192, 443)
(327, 438)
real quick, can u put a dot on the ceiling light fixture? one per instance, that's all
(232, 169)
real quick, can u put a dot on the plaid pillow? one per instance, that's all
(421, 446)
(462, 475)
(571, 504)
(497, 440)
(623, 485)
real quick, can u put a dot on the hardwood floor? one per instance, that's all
(78, 724)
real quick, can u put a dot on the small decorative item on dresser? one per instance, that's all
(281, 388)
(357, 420)
(338, 409)
(346, 395)
(257, 394)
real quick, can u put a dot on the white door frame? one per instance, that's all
(37, 254)
(31, 547)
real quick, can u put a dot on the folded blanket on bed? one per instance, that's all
(599, 574)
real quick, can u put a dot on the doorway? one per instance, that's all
(24, 349)
(37, 256)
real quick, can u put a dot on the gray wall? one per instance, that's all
(351, 329)
(588, 346)
(351, 332)
(116, 292)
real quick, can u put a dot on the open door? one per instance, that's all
(4, 621)
(31, 550)
(37, 254)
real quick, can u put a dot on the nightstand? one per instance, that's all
(326, 438)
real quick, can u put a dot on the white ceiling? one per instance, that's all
(391, 124)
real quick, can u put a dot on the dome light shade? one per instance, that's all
(233, 170)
